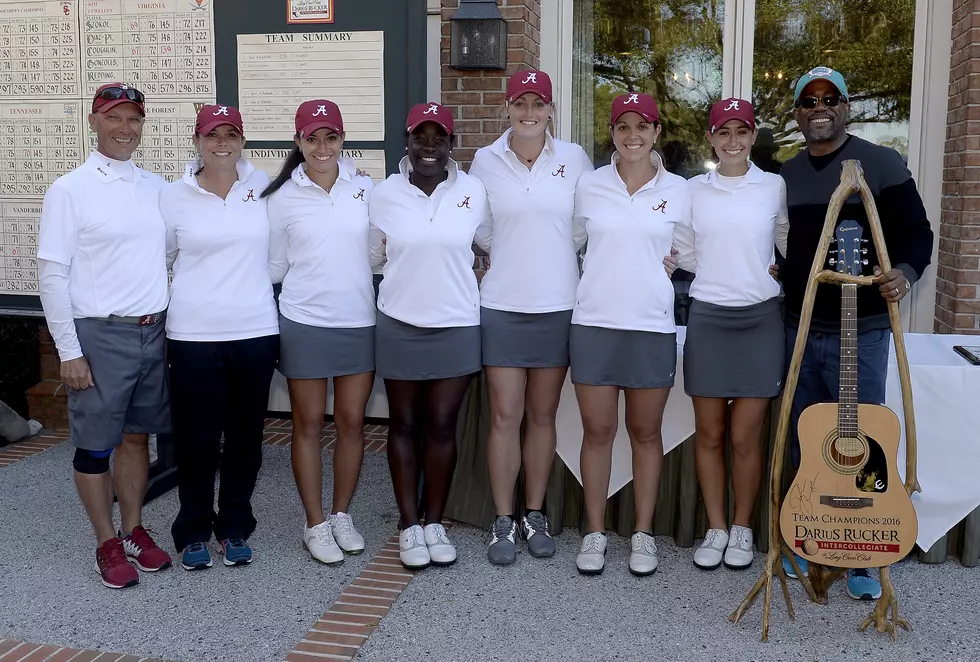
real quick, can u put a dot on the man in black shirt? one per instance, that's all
(821, 106)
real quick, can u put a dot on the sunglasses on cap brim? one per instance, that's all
(115, 93)
(830, 101)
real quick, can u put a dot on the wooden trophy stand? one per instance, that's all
(820, 578)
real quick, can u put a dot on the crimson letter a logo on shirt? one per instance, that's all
(662, 207)
(465, 203)
(560, 172)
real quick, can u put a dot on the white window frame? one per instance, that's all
(927, 120)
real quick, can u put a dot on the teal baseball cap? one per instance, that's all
(821, 73)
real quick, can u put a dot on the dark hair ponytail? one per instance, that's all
(293, 159)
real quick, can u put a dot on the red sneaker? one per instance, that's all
(142, 551)
(111, 564)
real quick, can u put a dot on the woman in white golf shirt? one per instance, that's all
(527, 297)
(223, 333)
(623, 334)
(733, 351)
(318, 207)
(427, 347)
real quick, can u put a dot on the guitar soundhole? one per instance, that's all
(846, 455)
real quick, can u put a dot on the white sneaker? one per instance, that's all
(412, 550)
(591, 557)
(319, 540)
(441, 551)
(643, 560)
(345, 534)
(708, 556)
(738, 556)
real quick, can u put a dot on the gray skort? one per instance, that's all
(403, 351)
(131, 389)
(628, 359)
(314, 352)
(734, 351)
(525, 340)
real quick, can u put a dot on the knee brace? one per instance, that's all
(91, 462)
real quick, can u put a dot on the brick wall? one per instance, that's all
(958, 285)
(476, 96)
(47, 401)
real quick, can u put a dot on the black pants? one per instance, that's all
(218, 387)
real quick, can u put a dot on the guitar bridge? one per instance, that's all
(846, 502)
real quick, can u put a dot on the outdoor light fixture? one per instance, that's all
(478, 36)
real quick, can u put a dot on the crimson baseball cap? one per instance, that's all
(530, 80)
(430, 112)
(635, 102)
(311, 116)
(210, 117)
(111, 95)
(731, 109)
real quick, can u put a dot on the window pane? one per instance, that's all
(869, 42)
(670, 50)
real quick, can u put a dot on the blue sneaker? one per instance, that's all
(862, 586)
(196, 557)
(236, 551)
(788, 567)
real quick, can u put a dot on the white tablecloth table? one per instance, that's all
(946, 397)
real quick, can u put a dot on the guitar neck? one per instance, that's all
(847, 419)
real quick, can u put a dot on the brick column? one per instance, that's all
(958, 284)
(47, 401)
(476, 96)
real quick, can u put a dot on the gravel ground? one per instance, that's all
(50, 593)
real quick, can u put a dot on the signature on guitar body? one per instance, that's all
(847, 506)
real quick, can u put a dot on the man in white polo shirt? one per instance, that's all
(103, 271)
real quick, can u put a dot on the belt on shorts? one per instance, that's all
(142, 320)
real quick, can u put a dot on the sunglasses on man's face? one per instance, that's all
(113, 93)
(829, 101)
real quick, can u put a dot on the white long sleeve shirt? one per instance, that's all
(533, 265)
(320, 243)
(428, 279)
(220, 250)
(101, 247)
(729, 242)
(624, 285)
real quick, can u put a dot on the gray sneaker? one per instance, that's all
(536, 530)
(502, 550)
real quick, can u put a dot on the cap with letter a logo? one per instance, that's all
(643, 105)
(529, 80)
(731, 109)
(210, 117)
(316, 114)
(430, 112)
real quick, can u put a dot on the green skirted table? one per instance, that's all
(680, 513)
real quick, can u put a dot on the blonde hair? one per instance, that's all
(503, 113)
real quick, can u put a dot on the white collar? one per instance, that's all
(346, 166)
(110, 170)
(754, 175)
(501, 146)
(405, 168)
(654, 159)
(244, 168)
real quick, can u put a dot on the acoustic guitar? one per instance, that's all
(847, 506)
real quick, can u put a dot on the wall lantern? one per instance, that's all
(478, 36)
